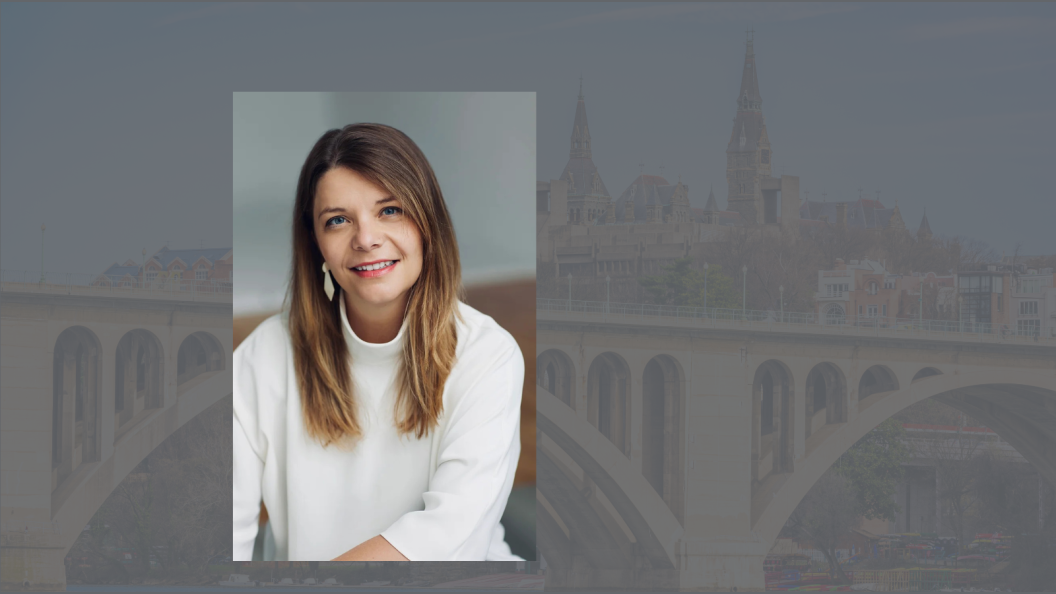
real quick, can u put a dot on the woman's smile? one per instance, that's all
(375, 269)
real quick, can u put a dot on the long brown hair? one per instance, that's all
(390, 160)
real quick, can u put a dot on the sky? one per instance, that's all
(115, 119)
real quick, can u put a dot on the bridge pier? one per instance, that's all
(63, 447)
(721, 566)
(30, 560)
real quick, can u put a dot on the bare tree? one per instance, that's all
(827, 513)
(955, 474)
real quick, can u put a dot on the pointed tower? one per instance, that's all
(587, 196)
(580, 142)
(711, 209)
(924, 231)
(654, 210)
(748, 152)
(896, 224)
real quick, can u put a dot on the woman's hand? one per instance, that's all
(375, 549)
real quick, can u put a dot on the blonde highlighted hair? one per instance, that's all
(390, 160)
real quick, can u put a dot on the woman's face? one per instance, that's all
(373, 249)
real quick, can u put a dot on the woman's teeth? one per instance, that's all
(377, 266)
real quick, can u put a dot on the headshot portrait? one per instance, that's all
(381, 324)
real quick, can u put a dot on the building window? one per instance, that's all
(859, 310)
(1027, 327)
(1028, 308)
(201, 274)
(871, 311)
(999, 302)
(884, 310)
(152, 275)
(872, 288)
(835, 290)
(766, 157)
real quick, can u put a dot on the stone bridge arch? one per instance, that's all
(77, 408)
(555, 371)
(1019, 405)
(825, 397)
(139, 379)
(199, 353)
(65, 394)
(598, 532)
(663, 429)
(773, 427)
(876, 379)
(609, 398)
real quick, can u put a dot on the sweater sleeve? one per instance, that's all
(247, 461)
(477, 457)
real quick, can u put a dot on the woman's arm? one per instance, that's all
(477, 456)
(247, 470)
(248, 454)
(375, 549)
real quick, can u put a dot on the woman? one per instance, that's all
(378, 417)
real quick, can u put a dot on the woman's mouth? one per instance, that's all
(374, 269)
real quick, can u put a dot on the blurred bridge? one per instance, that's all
(730, 419)
(95, 375)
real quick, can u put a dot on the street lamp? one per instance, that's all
(960, 313)
(608, 280)
(920, 305)
(744, 290)
(42, 254)
(569, 291)
(782, 290)
(705, 288)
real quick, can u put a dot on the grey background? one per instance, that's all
(481, 147)
(116, 118)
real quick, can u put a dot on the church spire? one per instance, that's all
(748, 99)
(924, 231)
(711, 206)
(748, 154)
(580, 142)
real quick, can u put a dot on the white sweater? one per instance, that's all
(434, 499)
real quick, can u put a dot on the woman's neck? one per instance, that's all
(375, 324)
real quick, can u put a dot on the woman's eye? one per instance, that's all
(391, 210)
(335, 221)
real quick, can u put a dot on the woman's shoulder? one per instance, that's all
(270, 340)
(480, 333)
(489, 367)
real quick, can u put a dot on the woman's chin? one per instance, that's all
(374, 300)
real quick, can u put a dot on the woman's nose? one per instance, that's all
(367, 236)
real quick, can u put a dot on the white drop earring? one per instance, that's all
(328, 284)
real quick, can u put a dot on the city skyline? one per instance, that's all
(944, 107)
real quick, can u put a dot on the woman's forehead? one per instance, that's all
(343, 187)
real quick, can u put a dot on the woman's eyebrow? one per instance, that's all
(330, 210)
(333, 209)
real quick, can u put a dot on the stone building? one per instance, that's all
(1034, 303)
(864, 292)
(583, 231)
(752, 191)
(201, 265)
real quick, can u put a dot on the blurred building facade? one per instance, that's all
(201, 265)
(585, 231)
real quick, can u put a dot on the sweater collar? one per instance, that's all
(362, 351)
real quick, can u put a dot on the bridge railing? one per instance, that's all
(799, 321)
(101, 285)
